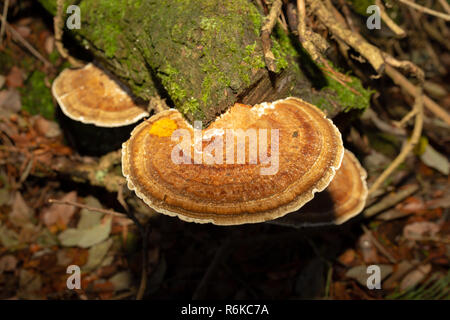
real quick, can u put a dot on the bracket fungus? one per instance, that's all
(344, 198)
(91, 96)
(100, 112)
(199, 175)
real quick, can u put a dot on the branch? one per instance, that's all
(408, 146)
(426, 10)
(266, 30)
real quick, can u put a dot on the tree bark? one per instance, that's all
(203, 55)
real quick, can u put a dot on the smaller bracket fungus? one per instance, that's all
(344, 198)
(91, 96)
(252, 164)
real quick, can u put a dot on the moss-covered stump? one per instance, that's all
(203, 55)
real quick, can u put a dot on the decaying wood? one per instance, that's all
(201, 57)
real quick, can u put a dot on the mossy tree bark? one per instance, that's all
(203, 55)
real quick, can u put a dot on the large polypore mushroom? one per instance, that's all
(343, 199)
(252, 164)
(91, 96)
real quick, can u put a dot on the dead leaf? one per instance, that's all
(411, 205)
(359, 273)
(96, 255)
(7, 263)
(60, 213)
(9, 102)
(23, 31)
(8, 238)
(417, 230)
(2, 81)
(46, 128)
(121, 280)
(401, 269)
(20, 214)
(90, 218)
(4, 196)
(86, 238)
(29, 285)
(415, 277)
(14, 79)
(435, 160)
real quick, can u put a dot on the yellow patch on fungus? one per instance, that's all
(163, 128)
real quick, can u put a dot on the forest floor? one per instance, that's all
(409, 239)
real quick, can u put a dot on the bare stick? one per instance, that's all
(390, 200)
(303, 37)
(379, 246)
(399, 32)
(266, 30)
(16, 36)
(371, 53)
(445, 5)
(426, 10)
(411, 89)
(408, 146)
(83, 206)
(3, 27)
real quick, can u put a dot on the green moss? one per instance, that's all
(360, 6)
(36, 97)
(348, 99)
(256, 19)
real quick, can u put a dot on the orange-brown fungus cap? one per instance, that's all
(309, 152)
(91, 96)
(343, 199)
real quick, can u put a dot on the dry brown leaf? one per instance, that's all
(60, 213)
(14, 79)
(417, 230)
(10, 101)
(44, 127)
(7, 263)
(415, 277)
(21, 213)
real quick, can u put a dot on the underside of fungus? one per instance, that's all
(91, 96)
(344, 198)
(291, 151)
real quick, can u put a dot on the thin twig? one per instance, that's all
(445, 5)
(390, 200)
(408, 146)
(405, 119)
(83, 206)
(371, 53)
(3, 27)
(399, 32)
(426, 10)
(411, 89)
(379, 246)
(16, 36)
(266, 30)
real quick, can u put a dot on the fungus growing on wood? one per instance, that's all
(344, 198)
(91, 96)
(252, 164)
